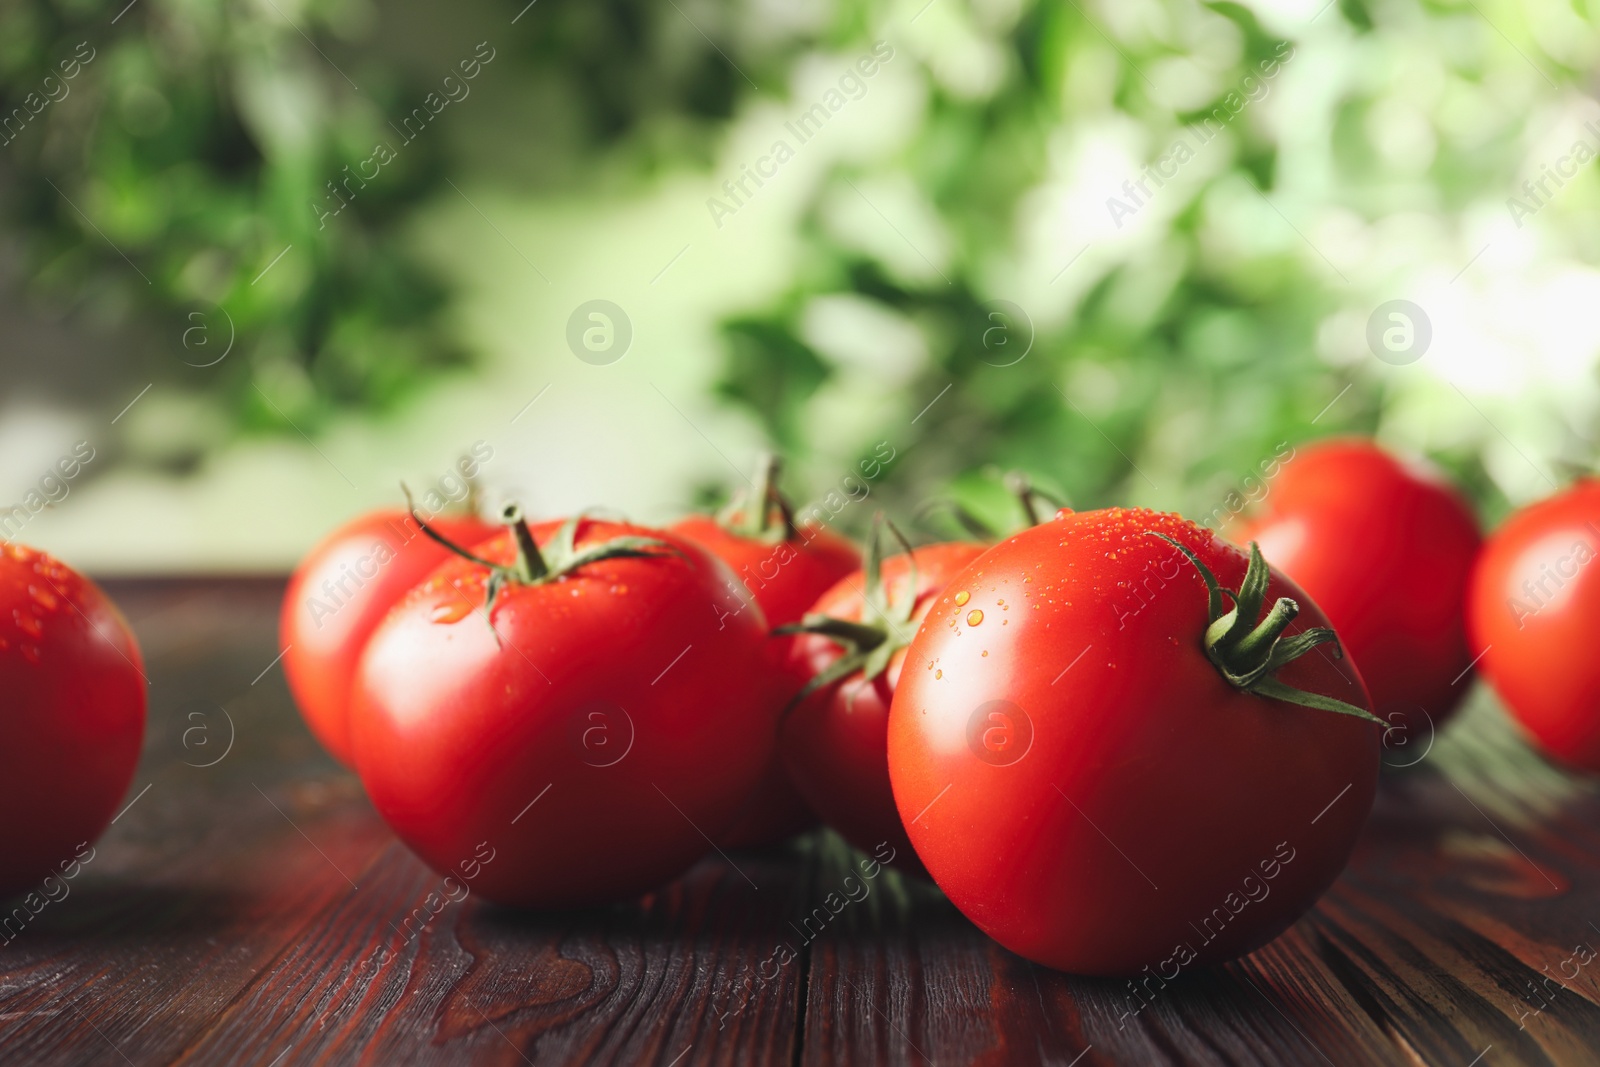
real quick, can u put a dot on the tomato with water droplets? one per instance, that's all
(1105, 791)
(834, 740)
(337, 597)
(73, 717)
(580, 703)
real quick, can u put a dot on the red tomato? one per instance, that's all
(1386, 550)
(1534, 611)
(785, 569)
(73, 719)
(617, 712)
(336, 598)
(834, 741)
(1086, 783)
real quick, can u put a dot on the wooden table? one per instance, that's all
(247, 906)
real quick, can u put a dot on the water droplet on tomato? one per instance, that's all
(452, 612)
(27, 623)
(31, 654)
(962, 597)
(974, 617)
(44, 599)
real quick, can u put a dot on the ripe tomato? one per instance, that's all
(1386, 550)
(1534, 609)
(785, 568)
(1103, 791)
(336, 598)
(617, 711)
(73, 719)
(834, 740)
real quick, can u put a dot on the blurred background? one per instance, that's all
(263, 259)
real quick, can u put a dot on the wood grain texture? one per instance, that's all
(250, 908)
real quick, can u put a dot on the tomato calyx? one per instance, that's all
(884, 627)
(1031, 497)
(1248, 653)
(560, 558)
(761, 513)
(1037, 507)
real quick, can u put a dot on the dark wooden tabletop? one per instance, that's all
(248, 907)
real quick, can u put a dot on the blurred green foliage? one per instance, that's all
(179, 163)
(1189, 359)
(196, 141)
(1163, 361)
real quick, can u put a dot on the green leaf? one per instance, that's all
(1213, 591)
(1276, 690)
